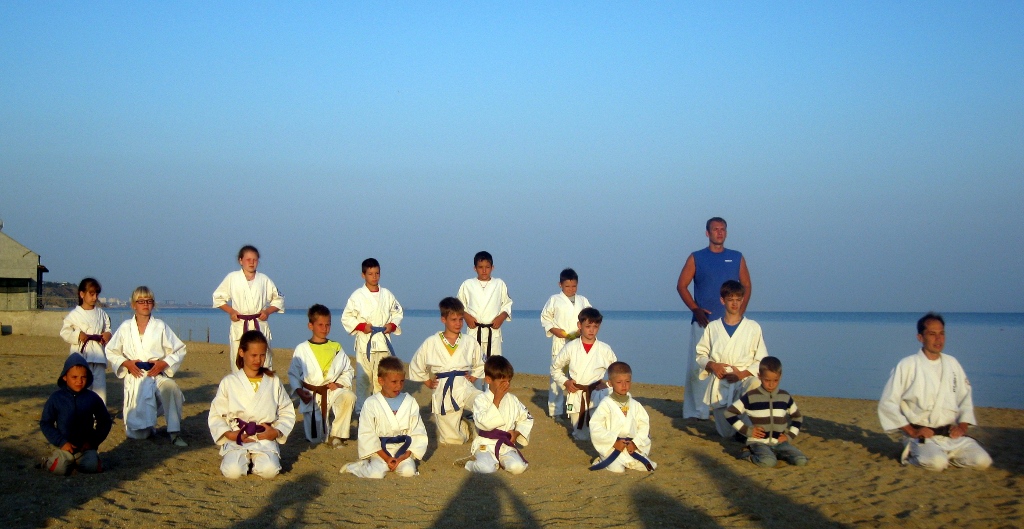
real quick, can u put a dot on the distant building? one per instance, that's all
(21, 276)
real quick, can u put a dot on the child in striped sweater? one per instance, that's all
(773, 415)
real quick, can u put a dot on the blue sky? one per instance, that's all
(867, 156)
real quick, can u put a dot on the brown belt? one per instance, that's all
(584, 417)
(324, 410)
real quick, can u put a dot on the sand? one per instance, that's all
(853, 478)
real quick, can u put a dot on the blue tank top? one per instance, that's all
(713, 269)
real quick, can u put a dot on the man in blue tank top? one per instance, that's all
(707, 269)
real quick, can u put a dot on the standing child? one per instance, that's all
(146, 354)
(321, 375)
(87, 329)
(391, 433)
(730, 351)
(253, 297)
(774, 415)
(501, 421)
(74, 420)
(251, 415)
(559, 317)
(371, 314)
(620, 424)
(487, 304)
(454, 358)
(587, 359)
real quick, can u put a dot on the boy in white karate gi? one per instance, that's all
(391, 433)
(559, 317)
(321, 375)
(501, 421)
(252, 414)
(729, 352)
(372, 314)
(253, 297)
(620, 428)
(87, 329)
(146, 354)
(587, 360)
(928, 404)
(449, 362)
(487, 304)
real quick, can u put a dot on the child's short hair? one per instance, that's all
(248, 338)
(568, 275)
(619, 368)
(770, 364)
(931, 316)
(142, 292)
(248, 248)
(369, 263)
(85, 285)
(499, 368)
(317, 310)
(451, 305)
(591, 314)
(482, 256)
(732, 288)
(707, 225)
(390, 364)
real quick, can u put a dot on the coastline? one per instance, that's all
(853, 478)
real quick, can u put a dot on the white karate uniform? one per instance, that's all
(146, 397)
(932, 393)
(248, 297)
(744, 351)
(485, 300)
(269, 404)
(610, 422)
(432, 358)
(584, 369)
(93, 321)
(306, 368)
(560, 313)
(508, 415)
(378, 309)
(376, 421)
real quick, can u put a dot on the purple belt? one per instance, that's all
(248, 428)
(255, 318)
(503, 438)
(615, 454)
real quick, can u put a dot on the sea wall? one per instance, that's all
(31, 322)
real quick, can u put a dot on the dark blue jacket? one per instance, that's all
(75, 418)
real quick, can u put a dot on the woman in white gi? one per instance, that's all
(252, 414)
(146, 354)
(253, 297)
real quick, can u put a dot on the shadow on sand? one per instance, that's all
(286, 507)
(657, 509)
(481, 501)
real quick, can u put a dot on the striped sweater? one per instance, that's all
(775, 412)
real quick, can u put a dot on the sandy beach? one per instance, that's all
(853, 478)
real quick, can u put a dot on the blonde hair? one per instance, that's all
(142, 292)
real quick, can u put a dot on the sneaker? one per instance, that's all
(177, 440)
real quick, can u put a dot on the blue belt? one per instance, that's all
(369, 341)
(145, 366)
(479, 335)
(404, 439)
(449, 386)
(615, 453)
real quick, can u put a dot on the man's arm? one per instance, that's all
(745, 281)
(682, 287)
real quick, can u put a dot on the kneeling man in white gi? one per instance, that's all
(927, 402)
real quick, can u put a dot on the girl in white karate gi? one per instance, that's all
(87, 330)
(253, 298)
(252, 414)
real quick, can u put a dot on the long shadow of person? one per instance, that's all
(286, 507)
(657, 509)
(761, 505)
(480, 502)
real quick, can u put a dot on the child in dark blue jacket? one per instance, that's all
(75, 420)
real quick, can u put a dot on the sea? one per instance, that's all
(828, 354)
